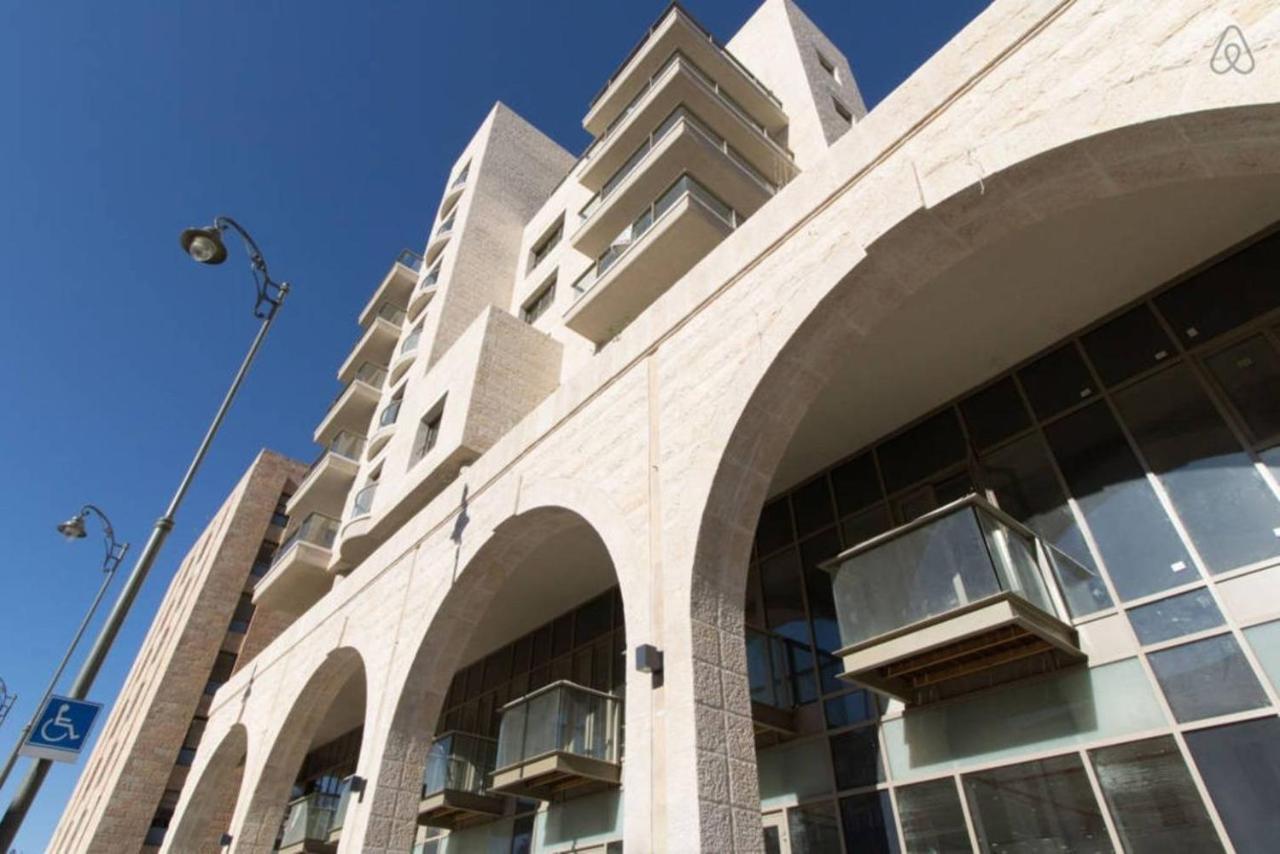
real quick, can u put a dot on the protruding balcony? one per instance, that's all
(385, 428)
(453, 787)
(354, 405)
(438, 240)
(424, 292)
(330, 477)
(681, 83)
(307, 825)
(406, 354)
(396, 285)
(656, 249)
(957, 600)
(378, 342)
(299, 574)
(559, 738)
(772, 662)
(676, 31)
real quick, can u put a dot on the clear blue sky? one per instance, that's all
(327, 129)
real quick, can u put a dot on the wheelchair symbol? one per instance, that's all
(61, 725)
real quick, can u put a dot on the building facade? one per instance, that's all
(783, 476)
(127, 793)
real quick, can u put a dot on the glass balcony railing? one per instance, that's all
(389, 312)
(686, 185)
(309, 819)
(462, 177)
(560, 718)
(340, 813)
(371, 374)
(953, 557)
(362, 505)
(317, 529)
(410, 259)
(389, 414)
(459, 762)
(410, 342)
(347, 444)
(430, 278)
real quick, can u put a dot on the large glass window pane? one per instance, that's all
(932, 818)
(814, 829)
(1265, 640)
(851, 708)
(863, 526)
(773, 531)
(1057, 381)
(822, 603)
(1228, 510)
(868, 823)
(1176, 616)
(856, 757)
(1249, 374)
(1128, 345)
(793, 769)
(1240, 765)
(928, 447)
(1206, 678)
(812, 506)
(995, 413)
(1037, 806)
(856, 484)
(1153, 801)
(1226, 295)
(1137, 540)
(783, 600)
(1022, 477)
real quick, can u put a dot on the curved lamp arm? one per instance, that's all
(270, 292)
(115, 550)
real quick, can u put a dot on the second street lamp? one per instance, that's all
(206, 246)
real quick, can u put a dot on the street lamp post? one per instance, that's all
(73, 529)
(204, 245)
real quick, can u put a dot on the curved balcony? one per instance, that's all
(355, 527)
(424, 293)
(299, 574)
(560, 737)
(330, 477)
(962, 598)
(438, 240)
(386, 427)
(354, 405)
(396, 285)
(406, 354)
(454, 793)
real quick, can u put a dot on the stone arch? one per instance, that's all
(544, 509)
(811, 336)
(213, 798)
(269, 793)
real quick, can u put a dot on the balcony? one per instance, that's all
(424, 292)
(353, 407)
(772, 662)
(681, 83)
(649, 256)
(385, 428)
(676, 31)
(453, 788)
(405, 355)
(955, 601)
(378, 342)
(682, 143)
(438, 240)
(307, 825)
(299, 574)
(396, 285)
(560, 738)
(329, 479)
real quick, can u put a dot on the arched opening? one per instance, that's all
(213, 800)
(1092, 373)
(509, 731)
(302, 795)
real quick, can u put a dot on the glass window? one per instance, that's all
(1128, 345)
(1249, 375)
(1265, 641)
(1057, 381)
(868, 823)
(822, 603)
(1206, 678)
(855, 484)
(930, 446)
(1021, 476)
(932, 818)
(783, 600)
(856, 757)
(851, 708)
(1240, 765)
(1137, 541)
(537, 306)
(773, 531)
(1226, 295)
(1153, 801)
(1176, 616)
(1036, 806)
(1228, 510)
(794, 769)
(865, 525)
(812, 506)
(593, 619)
(994, 414)
(814, 829)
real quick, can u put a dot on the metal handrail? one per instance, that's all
(561, 683)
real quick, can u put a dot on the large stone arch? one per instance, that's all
(854, 290)
(266, 794)
(212, 800)
(485, 561)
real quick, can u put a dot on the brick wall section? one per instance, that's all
(125, 777)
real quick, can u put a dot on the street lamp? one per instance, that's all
(206, 246)
(73, 529)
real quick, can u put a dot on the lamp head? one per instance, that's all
(73, 528)
(204, 244)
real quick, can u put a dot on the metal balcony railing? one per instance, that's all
(410, 259)
(560, 718)
(458, 762)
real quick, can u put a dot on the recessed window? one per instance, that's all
(546, 243)
(842, 111)
(428, 433)
(828, 66)
(538, 304)
(462, 175)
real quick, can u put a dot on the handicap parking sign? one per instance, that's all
(61, 729)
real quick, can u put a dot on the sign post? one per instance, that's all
(61, 729)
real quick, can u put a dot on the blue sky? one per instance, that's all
(327, 128)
